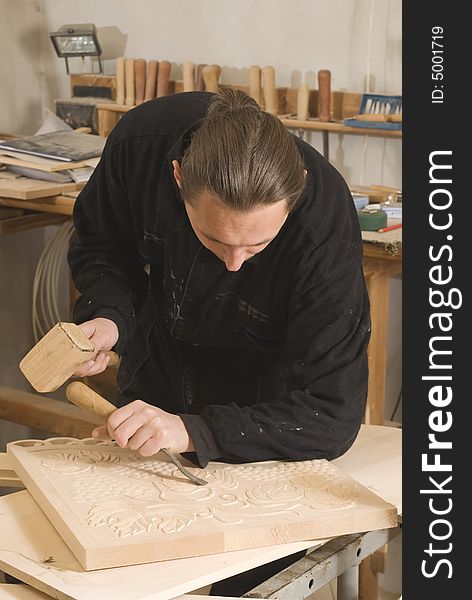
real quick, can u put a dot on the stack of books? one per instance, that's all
(59, 157)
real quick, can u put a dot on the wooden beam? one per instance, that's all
(46, 414)
(27, 222)
(58, 205)
(7, 213)
(8, 477)
(25, 188)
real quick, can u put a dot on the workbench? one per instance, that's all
(374, 460)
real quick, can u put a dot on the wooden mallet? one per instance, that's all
(57, 356)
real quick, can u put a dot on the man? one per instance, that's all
(221, 257)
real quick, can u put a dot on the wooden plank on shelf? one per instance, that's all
(18, 591)
(50, 166)
(27, 222)
(46, 414)
(27, 189)
(337, 127)
(7, 212)
(60, 205)
(8, 477)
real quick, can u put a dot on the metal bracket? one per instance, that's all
(340, 557)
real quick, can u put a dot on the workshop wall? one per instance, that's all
(20, 81)
(349, 37)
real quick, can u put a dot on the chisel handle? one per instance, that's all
(163, 78)
(268, 85)
(129, 82)
(324, 95)
(151, 80)
(302, 101)
(188, 71)
(140, 79)
(210, 78)
(255, 83)
(120, 80)
(81, 395)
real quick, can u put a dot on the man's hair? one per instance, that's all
(242, 156)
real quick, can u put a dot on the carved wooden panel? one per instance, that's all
(114, 508)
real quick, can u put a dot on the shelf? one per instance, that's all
(337, 127)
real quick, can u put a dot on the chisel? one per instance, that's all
(151, 80)
(129, 82)
(324, 95)
(324, 104)
(163, 78)
(81, 395)
(255, 83)
(188, 74)
(268, 86)
(120, 80)
(210, 78)
(302, 101)
(140, 79)
(199, 84)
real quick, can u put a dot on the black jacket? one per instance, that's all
(268, 362)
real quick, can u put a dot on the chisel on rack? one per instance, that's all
(210, 78)
(268, 87)
(188, 75)
(163, 78)
(129, 82)
(140, 79)
(324, 105)
(255, 83)
(302, 102)
(199, 84)
(151, 80)
(120, 80)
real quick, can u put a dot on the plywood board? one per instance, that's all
(18, 591)
(26, 189)
(21, 591)
(114, 508)
(375, 460)
(37, 162)
(8, 477)
(32, 550)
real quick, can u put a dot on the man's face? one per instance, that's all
(232, 236)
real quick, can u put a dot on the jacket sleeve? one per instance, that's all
(103, 256)
(319, 413)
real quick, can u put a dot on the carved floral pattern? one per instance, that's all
(131, 496)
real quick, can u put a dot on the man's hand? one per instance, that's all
(145, 428)
(103, 333)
